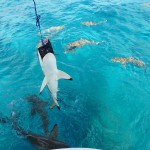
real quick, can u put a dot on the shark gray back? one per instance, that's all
(42, 142)
(48, 142)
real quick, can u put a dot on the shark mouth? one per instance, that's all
(46, 48)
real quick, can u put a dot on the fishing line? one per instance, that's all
(38, 22)
(45, 46)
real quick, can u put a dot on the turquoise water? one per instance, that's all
(106, 105)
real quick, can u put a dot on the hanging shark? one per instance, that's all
(51, 73)
(40, 141)
(38, 107)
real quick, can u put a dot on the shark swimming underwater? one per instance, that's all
(50, 32)
(146, 4)
(54, 29)
(79, 43)
(40, 141)
(132, 60)
(51, 73)
(91, 23)
(38, 107)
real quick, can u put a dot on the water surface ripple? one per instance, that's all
(106, 106)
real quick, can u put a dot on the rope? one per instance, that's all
(38, 21)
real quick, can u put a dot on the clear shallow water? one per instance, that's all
(106, 106)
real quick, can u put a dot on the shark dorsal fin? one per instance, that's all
(54, 132)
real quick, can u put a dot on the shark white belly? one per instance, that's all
(51, 73)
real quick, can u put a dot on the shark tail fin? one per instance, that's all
(101, 22)
(53, 105)
(63, 75)
(98, 43)
(43, 84)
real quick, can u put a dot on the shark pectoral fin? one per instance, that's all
(43, 85)
(54, 132)
(63, 75)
